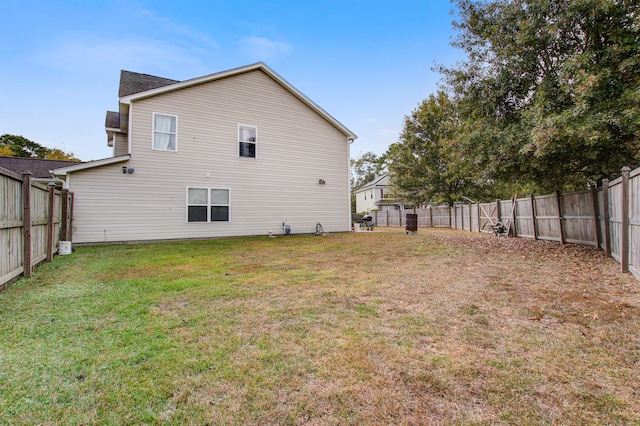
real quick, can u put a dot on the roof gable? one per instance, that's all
(178, 85)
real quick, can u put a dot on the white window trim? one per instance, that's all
(254, 142)
(153, 132)
(208, 205)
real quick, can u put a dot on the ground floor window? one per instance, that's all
(207, 205)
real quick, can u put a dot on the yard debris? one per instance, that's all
(593, 315)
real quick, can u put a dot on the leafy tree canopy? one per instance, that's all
(19, 146)
(366, 168)
(550, 93)
(426, 165)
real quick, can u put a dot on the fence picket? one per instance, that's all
(607, 218)
(31, 222)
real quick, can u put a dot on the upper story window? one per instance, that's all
(247, 137)
(165, 132)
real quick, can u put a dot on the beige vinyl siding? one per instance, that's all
(295, 148)
(121, 145)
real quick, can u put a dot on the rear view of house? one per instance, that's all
(240, 152)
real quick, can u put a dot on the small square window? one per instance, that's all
(197, 214)
(219, 213)
(247, 138)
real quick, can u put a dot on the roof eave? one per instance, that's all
(63, 171)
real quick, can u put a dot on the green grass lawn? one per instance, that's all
(445, 327)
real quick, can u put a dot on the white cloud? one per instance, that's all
(166, 27)
(160, 45)
(262, 48)
(89, 54)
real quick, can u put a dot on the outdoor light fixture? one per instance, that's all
(322, 182)
(126, 170)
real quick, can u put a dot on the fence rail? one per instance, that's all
(607, 218)
(33, 219)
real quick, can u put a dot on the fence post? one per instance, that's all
(607, 224)
(624, 244)
(430, 217)
(50, 220)
(514, 215)
(479, 217)
(64, 215)
(596, 210)
(26, 224)
(470, 221)
(560, 224)
(533, 217)
(498, 218)
(71, 216)
(453, 220)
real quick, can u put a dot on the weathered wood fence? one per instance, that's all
(607, 218)
(34, 218)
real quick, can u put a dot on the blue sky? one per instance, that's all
(368, 63)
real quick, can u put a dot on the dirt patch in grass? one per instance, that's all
(444, 327)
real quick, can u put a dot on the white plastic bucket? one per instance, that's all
(64, 247)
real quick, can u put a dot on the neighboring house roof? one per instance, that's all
(166, 86)
(39, 167)
(90, 164)
(379, 181)
(133, 82)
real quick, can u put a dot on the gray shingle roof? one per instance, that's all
(133, 82)
(112, 121)
(377, 181)
(38, 167)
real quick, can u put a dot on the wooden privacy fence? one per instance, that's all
(607, 218)
(34, 218)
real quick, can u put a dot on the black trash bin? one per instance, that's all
(412, 223)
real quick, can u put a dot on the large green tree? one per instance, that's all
(19, 146)
(550, 92)
(365, 168)
(426, 164)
